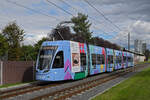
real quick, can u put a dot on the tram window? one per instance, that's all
(83, 59)
(116, 59)
(102, 58)
(128, 59)
(120, 59)
(59, 60)
(109, 59)
(93, 59)
(98, 59)
(112, 59)
(124, 58)
(131, 59)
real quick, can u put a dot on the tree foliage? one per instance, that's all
(14, 35)
(61, 33)
(27, 53)
(3, 47)
(82, 26)
(147, 54)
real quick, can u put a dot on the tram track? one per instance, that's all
(65, 92)
(70, 91)
(23, 90)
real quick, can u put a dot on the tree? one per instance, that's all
(14, 36)
(3, 47)
(147, 54)
(82, 26)
(61, 33)
(27, 53)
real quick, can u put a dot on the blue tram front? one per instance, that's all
(62, 60)
(50, 62)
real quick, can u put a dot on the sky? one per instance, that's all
(39, 17)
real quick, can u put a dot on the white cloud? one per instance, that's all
(122, 13)
(139, 30)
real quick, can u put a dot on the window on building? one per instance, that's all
(59, 60)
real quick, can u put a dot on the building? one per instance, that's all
(138, 46)
(144, 47)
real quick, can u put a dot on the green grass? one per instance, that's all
(144, 62)
(10, 85)
(134, 88)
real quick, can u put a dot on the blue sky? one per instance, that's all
(125, 14)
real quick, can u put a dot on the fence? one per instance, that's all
(1, 72)
(16, 71)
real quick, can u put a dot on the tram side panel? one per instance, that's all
(110, 60)
(97, 59)
(124, 60)
(130, 59)
(79, 60)
(118, 60)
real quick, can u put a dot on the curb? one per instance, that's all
(18, 86)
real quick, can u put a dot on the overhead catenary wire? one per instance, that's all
(77, 10)
(102, 14)
(70, 13)
(39, 12)
(60, 7)
(97, 21)
(20, 5)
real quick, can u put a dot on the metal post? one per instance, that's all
(129, 41)
(33, 69)
(1, 64)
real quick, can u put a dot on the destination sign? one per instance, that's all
(49, 48)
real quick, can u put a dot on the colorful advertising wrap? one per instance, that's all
(75, 56)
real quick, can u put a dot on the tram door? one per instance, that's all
(88, 59)
(83, 61)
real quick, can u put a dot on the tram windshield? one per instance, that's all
(46, 56)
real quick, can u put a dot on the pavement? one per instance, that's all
(18, 86)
